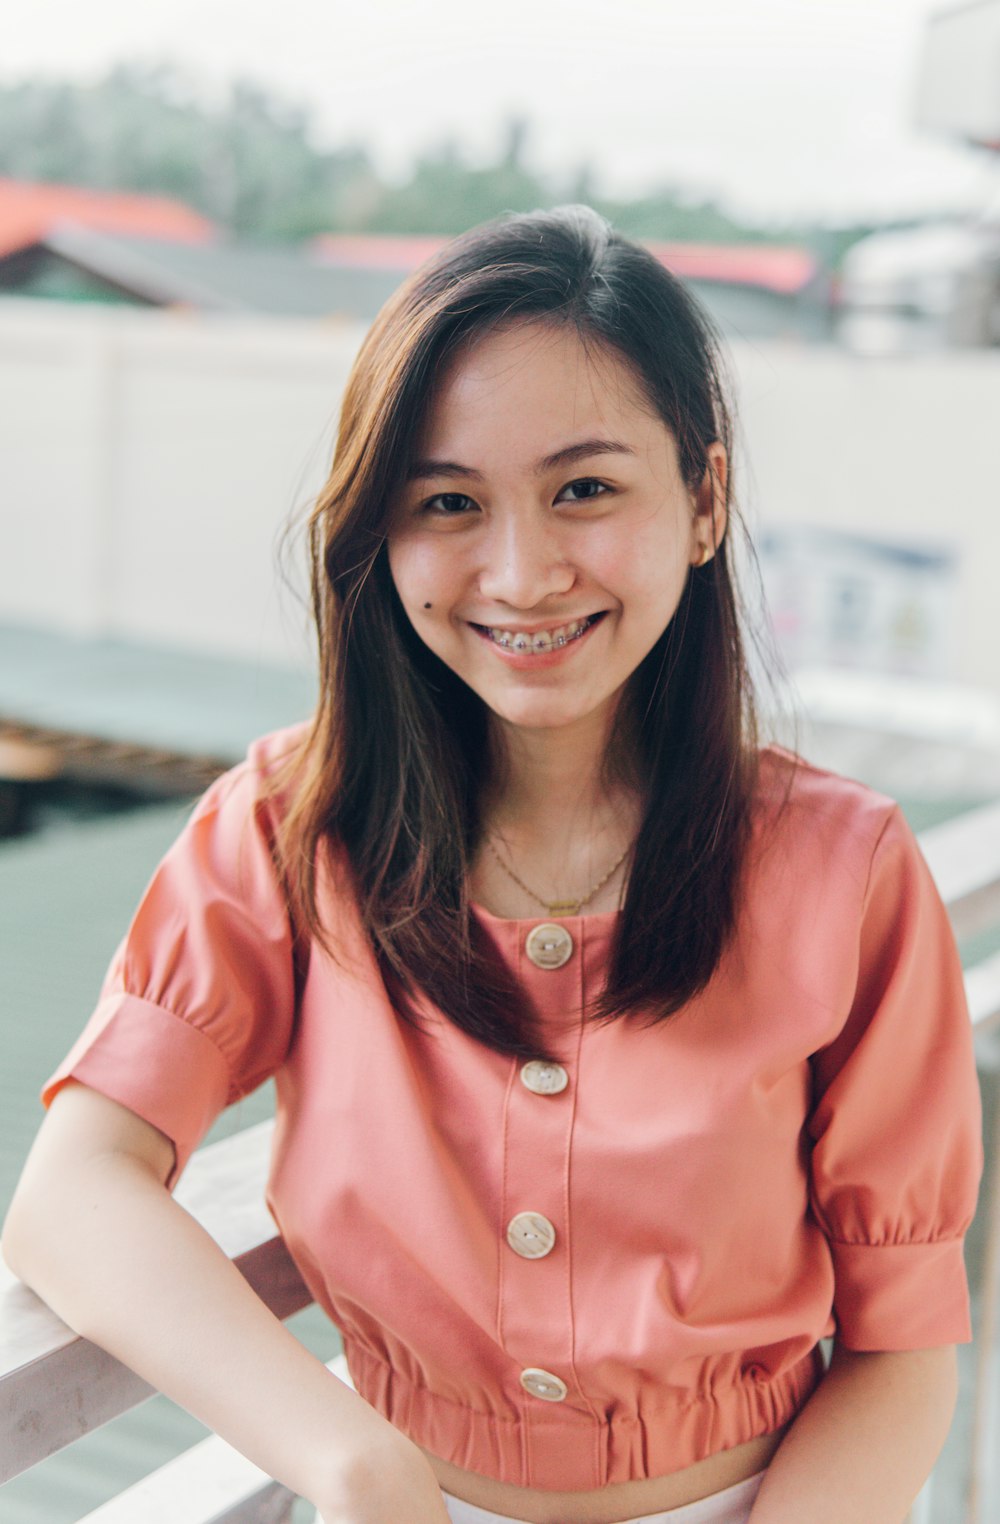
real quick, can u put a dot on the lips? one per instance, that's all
(552, 639)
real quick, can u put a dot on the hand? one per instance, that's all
(390, 1483)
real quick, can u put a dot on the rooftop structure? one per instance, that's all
(74, 244)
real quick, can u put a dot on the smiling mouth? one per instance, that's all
(544, 640)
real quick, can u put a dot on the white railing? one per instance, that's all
(55, 1386)
(964, 856)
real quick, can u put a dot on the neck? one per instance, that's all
(553, 818)
(546, 776)
(552, 794)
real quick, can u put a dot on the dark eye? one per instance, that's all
(580, 491)
(448, 503)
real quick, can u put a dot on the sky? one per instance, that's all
(779, 109)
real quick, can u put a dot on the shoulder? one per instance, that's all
(258, 787)
(797, 797)
(815, 827)
(249, 819)
(269, 754)
(230, 842)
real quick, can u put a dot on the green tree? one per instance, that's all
(251, 163)
(254, 164)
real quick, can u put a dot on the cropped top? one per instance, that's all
(607, 1267)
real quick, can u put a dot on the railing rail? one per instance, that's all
(55, 1386)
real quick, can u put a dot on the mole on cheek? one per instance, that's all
(427, 605)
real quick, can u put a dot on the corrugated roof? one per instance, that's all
(772, 267)
(34, 212)
(220, 276)
(30, 211)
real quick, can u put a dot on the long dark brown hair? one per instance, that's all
(390, 775)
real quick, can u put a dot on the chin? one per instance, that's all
(537, 717)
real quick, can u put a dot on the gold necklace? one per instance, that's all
(559, 907)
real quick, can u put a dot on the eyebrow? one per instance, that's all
(422, 469)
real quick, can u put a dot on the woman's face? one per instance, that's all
(542, 543)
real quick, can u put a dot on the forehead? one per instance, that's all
(542, 380)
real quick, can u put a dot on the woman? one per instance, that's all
(618, 1061)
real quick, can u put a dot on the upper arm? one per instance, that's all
(895, 1125)
(81, 1124)
(80, 1128)
(198, 1006)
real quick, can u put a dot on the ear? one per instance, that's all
(709, 504)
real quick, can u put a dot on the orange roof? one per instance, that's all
(774, 267)
(30, 210)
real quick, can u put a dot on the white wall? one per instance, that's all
(148, 461)
(958, 82)
(901, 449)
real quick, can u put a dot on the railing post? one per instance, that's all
(984, 1479)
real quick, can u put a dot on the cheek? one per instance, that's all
(416, 574)
(648, 585)
(646, 576)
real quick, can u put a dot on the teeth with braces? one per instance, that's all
(545, 640)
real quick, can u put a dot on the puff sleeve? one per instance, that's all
(197, 1006)
(896, 1123)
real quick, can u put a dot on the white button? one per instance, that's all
(549, 945)
(531, 1235)
(543, 1384)
(543, 1078)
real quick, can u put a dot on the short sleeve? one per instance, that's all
(896, 1119)
(197, 1007)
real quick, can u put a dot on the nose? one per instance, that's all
(525, 561)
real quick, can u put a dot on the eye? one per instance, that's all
(448, 504)
(582, 490)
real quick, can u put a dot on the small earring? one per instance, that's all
(704, 556)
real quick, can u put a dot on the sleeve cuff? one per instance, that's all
(155, 1063)
(901, 1296)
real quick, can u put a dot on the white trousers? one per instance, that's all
(731, 1506)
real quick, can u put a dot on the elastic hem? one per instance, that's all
(564, 1447)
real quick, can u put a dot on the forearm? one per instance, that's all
(864, 1444)
(124, 1265)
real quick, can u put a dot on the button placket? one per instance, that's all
(535, 1313)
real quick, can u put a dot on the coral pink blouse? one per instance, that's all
(565, 1276)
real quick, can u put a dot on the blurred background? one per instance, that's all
(202, 206)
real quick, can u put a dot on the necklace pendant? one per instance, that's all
(564, 907)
